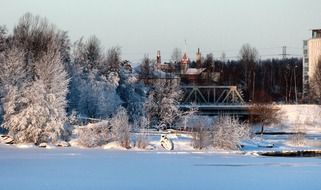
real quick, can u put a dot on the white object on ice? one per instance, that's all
(7, 139)
(166, 143)
(62, 144)
(43, 145)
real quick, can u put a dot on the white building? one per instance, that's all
(311, 57)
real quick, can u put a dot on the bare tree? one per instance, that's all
(264, 114)
(145, 67)
(33, 34)
(88, 54)
(3, 38)
(142, 137)
(209, 62)
(201, 136)
(249, 56)
(114, 59)
(176, 55)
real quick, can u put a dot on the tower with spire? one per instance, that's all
(198, 59)
(158, 60)
(184, 62)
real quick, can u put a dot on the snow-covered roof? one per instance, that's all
(194, 71)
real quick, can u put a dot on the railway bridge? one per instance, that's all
(214, 100)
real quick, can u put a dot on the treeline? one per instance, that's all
(260, 80)
(45, 80)
(278, 80)
(48, 84)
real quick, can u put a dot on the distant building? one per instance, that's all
(184, 63)
(311, 57)
(187, 75)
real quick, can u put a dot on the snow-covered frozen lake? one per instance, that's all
(74, 168)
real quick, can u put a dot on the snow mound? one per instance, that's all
(25, 145)
(300, 114)
(113, 146)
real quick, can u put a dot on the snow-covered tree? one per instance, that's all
(120, 127)
(93, 86)
(96, 134)
(51, 71)
(35, 112)
(228, 132)
(13, 68)
(132, 93)
(13, 76)
(34, 82)
(94, 95)
(161, 104)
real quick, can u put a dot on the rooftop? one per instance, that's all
(194, 71)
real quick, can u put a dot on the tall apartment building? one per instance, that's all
(311, 57)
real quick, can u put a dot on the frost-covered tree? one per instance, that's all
(34, 82)
(96, 134)
(13, 76)
(93, 87)
(228, 132)
(51, 71)
(35, 112)
(13, 68)
(132, 93)
(98, 97)
(120, 127)
(161, 104)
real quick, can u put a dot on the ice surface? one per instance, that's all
(74, 168)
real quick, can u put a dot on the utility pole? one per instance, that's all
(283, 52)
(296, 91)
(253, 88)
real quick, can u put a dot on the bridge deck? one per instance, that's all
(214, 109)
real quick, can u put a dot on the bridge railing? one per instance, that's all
(219, 95)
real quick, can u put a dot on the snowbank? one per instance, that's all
(308, 116)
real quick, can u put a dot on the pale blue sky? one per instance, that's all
(144, 26)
